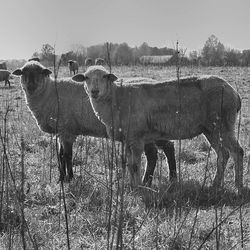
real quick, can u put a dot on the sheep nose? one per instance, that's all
(94, 93)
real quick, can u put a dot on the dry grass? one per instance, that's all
(185, 215)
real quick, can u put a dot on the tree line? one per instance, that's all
(213, 53)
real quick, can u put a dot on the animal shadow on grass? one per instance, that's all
(192, 194)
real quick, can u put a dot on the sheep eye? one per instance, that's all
(86, 78)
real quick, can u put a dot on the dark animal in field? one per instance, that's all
(74, 116)
(4, 76)
(168, 110)
(73, 67)
(3, 65)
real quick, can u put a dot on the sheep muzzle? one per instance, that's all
(94, 93)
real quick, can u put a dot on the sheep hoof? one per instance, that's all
(61, 178)
(240, 188)
(173, 179)
(68, 178)
(148, 183)
(217, 187)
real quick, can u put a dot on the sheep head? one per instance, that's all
(97, 81)
(32, 74)
(70, 62)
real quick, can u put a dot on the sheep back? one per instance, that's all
(155, 107)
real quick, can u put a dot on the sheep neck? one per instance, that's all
(108, 111)
(89, 122)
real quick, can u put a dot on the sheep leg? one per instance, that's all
(62, 167)
(68, 159)
(65, 156)
(151, 155)
(134, 164)
(222, 157)
(7, 81)
(237, 153)
(169, 151)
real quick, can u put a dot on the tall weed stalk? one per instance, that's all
(56, 69)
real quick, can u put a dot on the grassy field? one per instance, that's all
(100, 213)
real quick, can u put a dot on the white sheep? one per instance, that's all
(88, 62)
(99, 61)
(4, 76)
(63, 108)
(34, 59)
(168, 110)
(73, 67)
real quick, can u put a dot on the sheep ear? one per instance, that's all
(110, 77)
(79, 78)
(17, 72)
(47, 72)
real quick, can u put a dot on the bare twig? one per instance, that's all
(22, 195)
(56, 69)
(112, 155)
(218, 225)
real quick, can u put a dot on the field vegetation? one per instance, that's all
(97, 210)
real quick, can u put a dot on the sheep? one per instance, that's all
(88, 62)
(4, 76)
(3, 65)
(73, 67)
(99, 61)
(169, 110)
(34, 59)
(63, 108)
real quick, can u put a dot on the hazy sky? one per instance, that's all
(27, 24)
